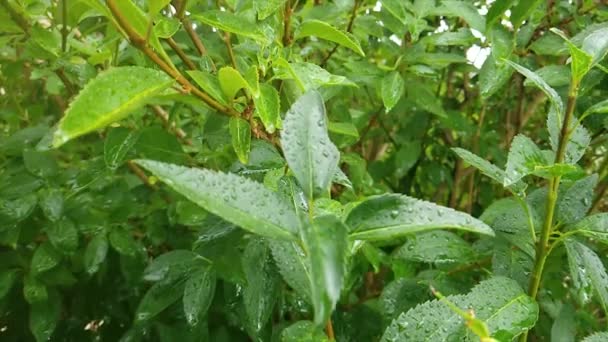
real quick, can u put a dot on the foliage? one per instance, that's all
(284, 170)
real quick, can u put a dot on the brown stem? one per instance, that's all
(229, 49)
(287, 24)
(141, 174)
(329, 328)
(349, 29)
(141, 44)
(180, 53)
(164, 117)
(180, 5)
(16, 17)
(64, 26)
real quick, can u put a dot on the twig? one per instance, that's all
(141, 44)
(287, 24)
(182, 55)
(16, 17)
(349, 29)
(164, 117)
(141, 174)
(229, 48)
(180, 5)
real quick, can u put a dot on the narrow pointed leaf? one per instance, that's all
(556, 100)
(239, 200)
(588, 273)
(266, 8)
(240, 132)
(267, 107)
(390, 216)
(209, 83)
(232, 23)
(392, 90)
(110, 97)
(594, 226)
(325, 31)
(325, 240)
(524, 157)
(311, 155)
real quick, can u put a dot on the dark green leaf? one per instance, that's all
(63, 235)
(240, 131)
(303, 331)
(119, 142)
(588, 273)
(198, 295)
(95, 253)
(232, 23)
(524, 158)
(44, 317)
(325, 31)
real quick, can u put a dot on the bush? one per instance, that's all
(316, 170)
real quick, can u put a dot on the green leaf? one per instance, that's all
(13, 211)
(63, 235)
(44, 317)
(554, 98)
(325, 31)
(438, 247)
(263, 284)
(239, 200)
(40, 163)
(167, 27)
(598, 108)
(158, 298)
(267, 107)
(522, 11)
(588, 273)
(34, 291)
(396, 8)
(303, 331)
(495, 12)
(575, 202)
(401, 295)
(155, 6)
(240, 131)
(293, 266)
(594, 226)
(95, 253)
(311, 156)
(387, 217)
(209, 83)
(122, 241)
(465, 10)
(325, 241)
(51, 203)
(174, 265)
(109, 97)
(579, 137)
(488, 169)
(231, 81)
(524, 158)
(7, 280)
(155, 142)
(392, 89)
(309, 76)
(581, 61)
(498, 302)
(232, 23)
(266, 8)
(45, 258)
(595, 43)
(564, 326)
(597, 337)
(119, 142)
(198, 295)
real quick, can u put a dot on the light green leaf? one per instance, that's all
(239, 200)
(325, 31)
(498, 302)
(231, 81)
(595, 43)
(390, 216)
(573, 204)
(524, 157)
(343, 128)
(119, 142)
(495, 12)
(266, 8)
(309, 152)
(437, 247)
(111, 96)
(594, 226)
(488, 169)
(564, 326)
(263, 284)
(232, 23)
(303, 331)
(396, 8)
(167, 27)
(198, 295)
(522, 11)
(155, 6)
(95, 253)
(581, 61)
(588, 273)
(325, 241)
(240, 132)
(392, 89)
(268, 106)
(579, 137)
(209, 83)
(597, 337)
(464, 9)
(598, 108)
(554, 98)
